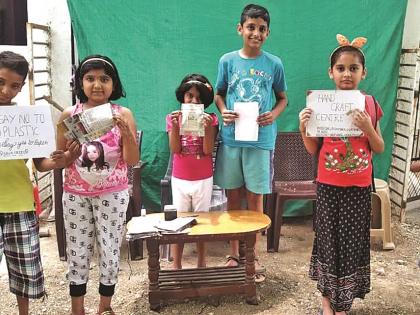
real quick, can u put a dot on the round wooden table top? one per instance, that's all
(226, 222)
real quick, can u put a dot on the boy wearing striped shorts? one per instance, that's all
(19, 230)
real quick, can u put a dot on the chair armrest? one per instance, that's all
(136, 192)
(165, 192)
(140, 165)
(165, 187)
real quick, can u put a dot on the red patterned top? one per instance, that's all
(347, 161)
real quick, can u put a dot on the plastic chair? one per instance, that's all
(294, 178)
(133, 209)
(381, 214)
(135, 204)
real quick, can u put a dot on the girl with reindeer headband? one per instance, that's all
(340, 261)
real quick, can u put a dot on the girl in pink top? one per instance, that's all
(192, 171)
(95, 197)
(340, 261)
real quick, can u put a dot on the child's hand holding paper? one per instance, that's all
(229, 116)
(265, 119)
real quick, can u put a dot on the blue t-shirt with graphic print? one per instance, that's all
(251, 80)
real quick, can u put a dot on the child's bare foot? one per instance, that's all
(326, 306)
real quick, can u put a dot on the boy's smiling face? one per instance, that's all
(11, 84)
(254, 33)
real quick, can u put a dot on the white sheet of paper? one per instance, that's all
(26, 132)
(246, 126)
(331, 113)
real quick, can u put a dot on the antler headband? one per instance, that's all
(357, 43)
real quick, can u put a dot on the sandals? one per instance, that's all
(259, 277)
(260, 268)
(259, 272)
(108, 311)
(232, 261)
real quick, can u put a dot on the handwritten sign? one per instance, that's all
(26, 132)
(332, 113)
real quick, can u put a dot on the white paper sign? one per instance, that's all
(246, 126)
(331, 113)
(26, 132)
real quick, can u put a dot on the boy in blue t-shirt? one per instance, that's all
(249, 75)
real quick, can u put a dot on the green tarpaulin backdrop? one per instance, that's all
(156, 43)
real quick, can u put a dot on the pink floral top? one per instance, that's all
(192, 163)
(100, 169)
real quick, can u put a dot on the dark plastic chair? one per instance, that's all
(135, 204)
(133, 209)
(294, 178)
(165, 186)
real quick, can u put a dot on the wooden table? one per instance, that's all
(187, 283)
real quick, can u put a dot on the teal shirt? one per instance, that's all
(251, 80)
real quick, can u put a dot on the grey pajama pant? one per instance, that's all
(90, 219)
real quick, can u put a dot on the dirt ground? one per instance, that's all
(287, 289)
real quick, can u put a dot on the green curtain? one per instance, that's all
(156, 43)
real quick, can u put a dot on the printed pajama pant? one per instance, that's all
(90, 219)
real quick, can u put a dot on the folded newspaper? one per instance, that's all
(88, 125)
(176, 225)
(142, 227)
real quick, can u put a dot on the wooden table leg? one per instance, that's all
(242, 252)
(154, 267)
(250, 287)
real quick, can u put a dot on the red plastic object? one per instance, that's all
(38, 208)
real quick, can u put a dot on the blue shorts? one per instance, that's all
(249, 167)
